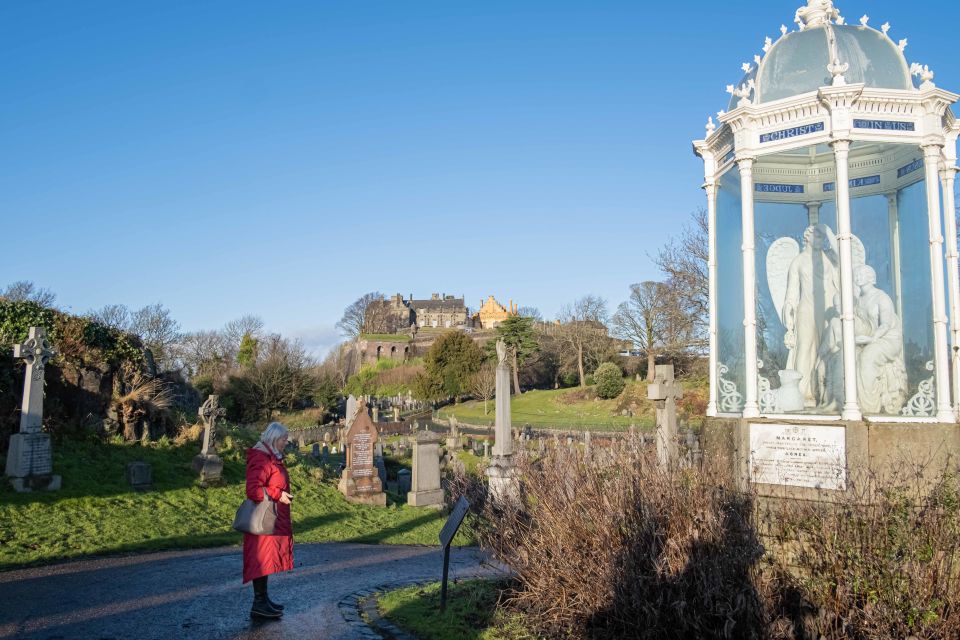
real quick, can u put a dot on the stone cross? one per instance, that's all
(209, 412)
(665, 391)
(36, 351)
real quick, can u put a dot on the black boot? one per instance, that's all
(261, 605)
(266, 593)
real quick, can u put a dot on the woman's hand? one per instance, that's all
(285, 497)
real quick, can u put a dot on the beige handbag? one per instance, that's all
(258, 518)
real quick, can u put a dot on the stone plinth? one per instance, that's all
(914, 453)
(425, 483)
(502, 480)
(30, 464)
(209, 467)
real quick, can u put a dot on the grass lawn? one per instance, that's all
(577, 408)
(96, 512)
(471, 612)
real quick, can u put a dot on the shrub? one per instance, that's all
(609, 379)
(607, 546)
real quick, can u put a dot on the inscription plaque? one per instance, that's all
(812, 456)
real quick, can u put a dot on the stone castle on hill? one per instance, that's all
(399, 328)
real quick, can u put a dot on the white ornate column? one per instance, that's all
(948, 180)
(710, 186)
(941, 358)
(813, 213)
(893, 220)
(751, 408)
(851, 408)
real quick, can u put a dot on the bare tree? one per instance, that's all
(158, 331)
(115, 316)
(583, 329)
(248, 324)
(26, 291)
(684, 261)
(648, 320)
(483, 384)
(204, 353)
(358, 317)
(530, 312)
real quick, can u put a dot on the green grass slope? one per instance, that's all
(577, 408)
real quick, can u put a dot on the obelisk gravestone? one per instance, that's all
(29, 457)
(500, 473)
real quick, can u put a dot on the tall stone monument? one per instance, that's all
(352, 405)
(453, 439)
(207, 463)
(360, 482)
(500, 473)
(425, 488)
(29, 458)
(665, 391)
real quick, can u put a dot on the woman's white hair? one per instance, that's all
(272, 433)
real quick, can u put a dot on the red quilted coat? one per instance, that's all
(263, 555)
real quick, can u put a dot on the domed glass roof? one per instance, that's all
(797, 63)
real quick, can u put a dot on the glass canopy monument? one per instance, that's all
(833, 268)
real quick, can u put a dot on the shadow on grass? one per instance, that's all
(382, 535)
(175, 543)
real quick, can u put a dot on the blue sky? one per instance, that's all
(282, 158)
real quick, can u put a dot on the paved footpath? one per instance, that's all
(197, 594)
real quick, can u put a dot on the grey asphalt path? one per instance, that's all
(198, 594)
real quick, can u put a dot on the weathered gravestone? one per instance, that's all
(207, 463)
(453, 440)
(30, 457)
(360, 483)
(352, 405)
(500, 473)
(425, 482)
(403, 480)
(665, 391)
(315, 450)
(139, 475)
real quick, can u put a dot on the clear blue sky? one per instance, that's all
(282, 158)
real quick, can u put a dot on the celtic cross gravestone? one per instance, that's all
(29, 457)
(207, 463)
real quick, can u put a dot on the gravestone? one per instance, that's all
(486, 449)
(453, 440)
(425, 488)
(325, 454)
(139, 475)
(30, 456)
(587, 444)
(500, 472)
(315, 450)
(360, 483)
(381, 470)
(396, 414)
(375, 413)
(403, 480)
(207, 463)
(665, 391)
(352, 406)
(378, 450)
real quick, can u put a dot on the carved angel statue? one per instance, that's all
(816, 12)
(501, 352)
(803, 284)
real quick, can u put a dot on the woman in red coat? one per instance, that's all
(263, 555)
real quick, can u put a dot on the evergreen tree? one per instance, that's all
(449, 367)
(247, 353)
(518, 335)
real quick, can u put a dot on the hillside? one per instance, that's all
(577, 408)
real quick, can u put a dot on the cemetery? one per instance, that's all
(764, 445)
